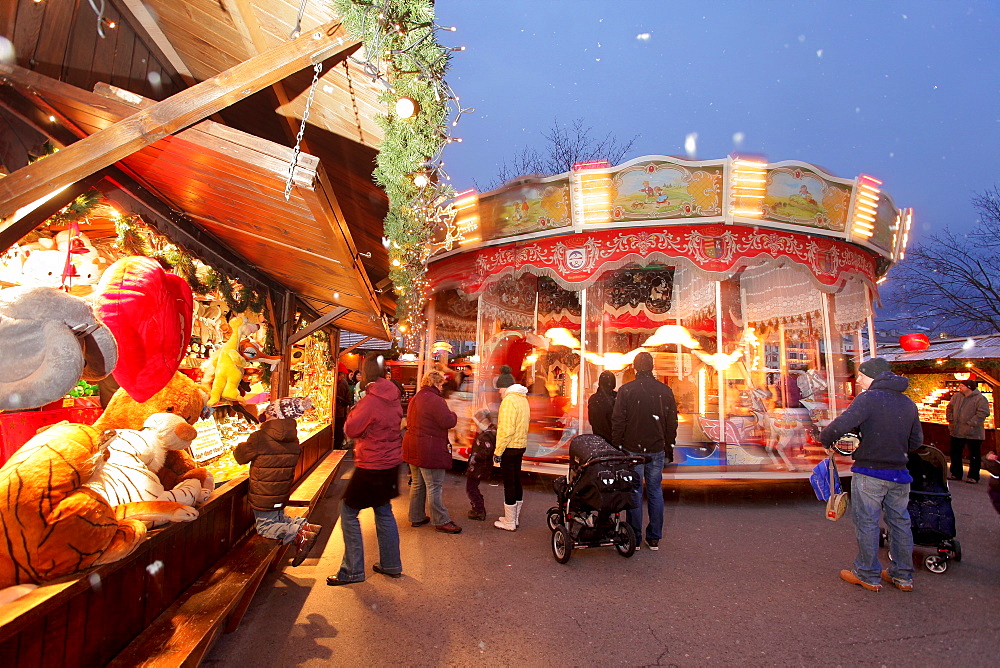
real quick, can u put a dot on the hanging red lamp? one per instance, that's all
(913, 342)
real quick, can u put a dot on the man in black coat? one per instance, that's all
(644, 422)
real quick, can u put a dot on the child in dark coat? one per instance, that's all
(480, 462)
(273, 451)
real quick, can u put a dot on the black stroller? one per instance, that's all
(932, 519)
(591, 498)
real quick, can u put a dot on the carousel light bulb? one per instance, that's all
(420, 180)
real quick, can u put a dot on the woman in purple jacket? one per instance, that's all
(426, 450)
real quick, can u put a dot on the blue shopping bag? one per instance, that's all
(820, 480)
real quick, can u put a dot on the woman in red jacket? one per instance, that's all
(374, 425)
(425, 449)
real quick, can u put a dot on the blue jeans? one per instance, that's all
(352, 568)
(422, 482)
(652, 474)
(870, 499)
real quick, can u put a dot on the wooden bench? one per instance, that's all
(216, 603)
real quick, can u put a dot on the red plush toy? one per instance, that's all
(150, 312)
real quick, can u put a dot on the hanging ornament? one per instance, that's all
(914, 342)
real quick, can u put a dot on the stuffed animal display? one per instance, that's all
(129, 475)
(52, 525)
(181, 397)
(51, 340)
(228, 367)
(150, 313)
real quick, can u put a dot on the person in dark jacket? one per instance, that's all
(342, 401)
(601, 405)
(888, 426)
(480, 462)
(374, 424)
(967, 412)
(426, 450)
(272, 452)
(644, 422)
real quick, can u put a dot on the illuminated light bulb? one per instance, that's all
(420, 180)
(396, 262)
(52, 119)
(407, 107)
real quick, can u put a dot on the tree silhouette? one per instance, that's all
(564, 146)
(951, 282)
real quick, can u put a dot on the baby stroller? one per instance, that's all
(932, 519)
(591, 497)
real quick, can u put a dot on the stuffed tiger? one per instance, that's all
(129, 475)
(50, 523)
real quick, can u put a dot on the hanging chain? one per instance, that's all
(317, 69)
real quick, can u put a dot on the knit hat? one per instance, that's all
(505, 379)
(970, 383)
(291, 407)
(873, 367)
(643, 362)
(607, 381)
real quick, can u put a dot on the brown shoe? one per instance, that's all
(420, 523)
(450, 527)
(476, 515)
(304, 540)
(901, 585)
(849, 576)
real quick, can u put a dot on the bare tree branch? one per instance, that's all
(564, 147)
(953, 281)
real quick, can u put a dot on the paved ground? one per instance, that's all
(747, 574)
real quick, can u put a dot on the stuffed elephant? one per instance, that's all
(51, 340)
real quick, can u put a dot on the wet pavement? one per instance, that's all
(747, 573)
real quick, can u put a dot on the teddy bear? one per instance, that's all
(52, 525)
(181, 396)
(129, 475)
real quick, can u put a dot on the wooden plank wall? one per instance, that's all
(87, 620)
(59, 38)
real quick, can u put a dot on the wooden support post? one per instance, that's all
(13, 229)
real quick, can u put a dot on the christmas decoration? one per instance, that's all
(914, 342)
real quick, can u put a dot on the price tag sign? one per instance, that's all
(208, 443)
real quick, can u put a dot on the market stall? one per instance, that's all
(750, 283)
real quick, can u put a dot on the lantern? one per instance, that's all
(913, 342)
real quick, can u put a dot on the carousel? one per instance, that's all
(750, 283)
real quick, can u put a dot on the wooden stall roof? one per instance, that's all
(160, 47)
(232, 184)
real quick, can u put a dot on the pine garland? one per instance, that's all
(401, 35)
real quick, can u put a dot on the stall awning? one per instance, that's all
(232, 185)
(965, 348)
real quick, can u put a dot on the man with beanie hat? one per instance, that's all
(888, 426)
(601, 405)
(505, 379)
(644, 422)
(967, 413)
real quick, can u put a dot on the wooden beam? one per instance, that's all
(138, 13)
(37, 118)
(131, 195)
(319, 324)
(164, 118)
(12, 230)
(364, 340)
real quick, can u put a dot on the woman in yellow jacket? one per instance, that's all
(512, 439)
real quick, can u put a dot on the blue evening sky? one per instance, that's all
(908, 92)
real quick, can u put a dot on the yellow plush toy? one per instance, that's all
(228, 367)
(181, 396)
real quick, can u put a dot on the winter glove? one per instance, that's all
(496, 459)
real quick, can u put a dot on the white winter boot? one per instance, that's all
(517, 513)
(507, 522)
